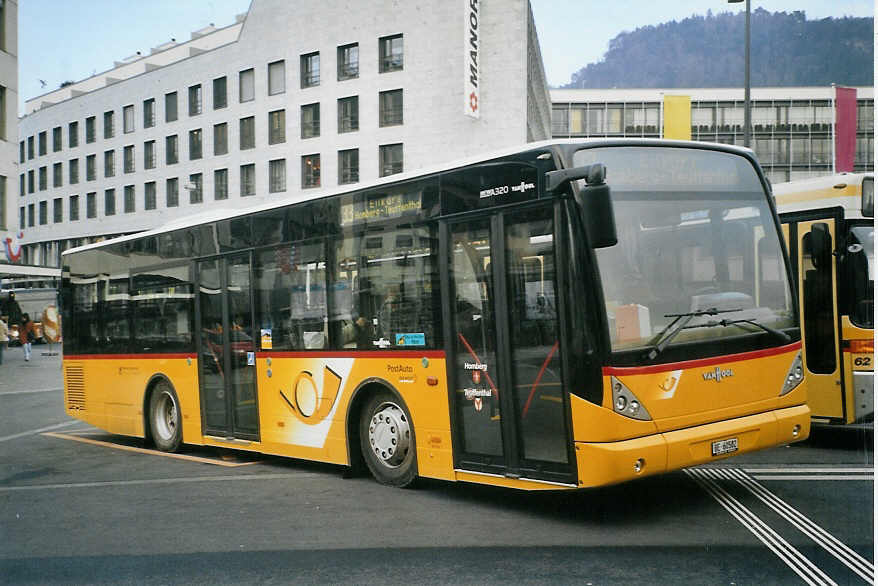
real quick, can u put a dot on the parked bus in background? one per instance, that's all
(829, 227)
(504, 321)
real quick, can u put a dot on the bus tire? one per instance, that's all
(387, 440)
(165, 420)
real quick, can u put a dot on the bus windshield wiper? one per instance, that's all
(782, 336)
(681, 320)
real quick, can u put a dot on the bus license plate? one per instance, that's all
(726, 446)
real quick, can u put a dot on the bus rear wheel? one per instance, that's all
(164, 418)
(387, 440)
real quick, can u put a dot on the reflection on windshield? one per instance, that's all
(859, 270)
(681, 253)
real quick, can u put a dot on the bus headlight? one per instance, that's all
(626, 403)
(795, 375)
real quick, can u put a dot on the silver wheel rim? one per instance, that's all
(165, 416)
(389, 435)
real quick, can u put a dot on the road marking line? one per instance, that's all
(36, 431)
(28, 392)
(112, 483)
(85, 440)
(792, 557)
(820, 536)
(868, 477)
(805, 469)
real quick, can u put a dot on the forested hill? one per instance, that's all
(708, 51)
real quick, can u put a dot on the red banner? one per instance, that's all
(845, 128)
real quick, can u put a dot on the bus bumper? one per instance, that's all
(612, 462)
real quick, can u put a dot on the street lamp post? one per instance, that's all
(746, 71)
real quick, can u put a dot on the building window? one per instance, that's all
(248, 180)
(195, 100)
(128, 119)
(171, 107)
(73, 171)
(129, 199)
(43, 143)
(3, 224)
(44, 213)
(149, 199)
(44, 178)
(3, 105)
(348, 59)
(128, 159)
(21, 158)
(149, 154)
(109, 163)
(348, 166)
(172, 156)
(30, 148)
(221, 184)
(194, 188)
(73, 134)
(348, 114)
(91, 167)
(310, 69)
(277, 127)
(21, 218)
(389, 54)
(22, 190)
(30, 181)
(57, 175)
(30, 215)
(110, 202)
(277, 175)
(220, 98)
(149, 113)
(56, 139)
(248, 133)
(310, 171)
(390, 108)
(194, 144)
(90, 129)
(172, 192)
(91, 205)
(220, 139)
(109, 129)
(58, 210)
(276, 78)
(246, 86)
(73, 208)
(389, 159)
(310, 120)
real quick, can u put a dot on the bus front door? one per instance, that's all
(227, 349)
(504, 350)
(818, 304)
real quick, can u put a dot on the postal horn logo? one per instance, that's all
(718, 374)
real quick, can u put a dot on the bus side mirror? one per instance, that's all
(821, 246)
(597, 204)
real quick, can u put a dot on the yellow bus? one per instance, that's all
(829, 228)
(505, 321)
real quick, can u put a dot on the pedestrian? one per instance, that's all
(26, 334)
(12, 310)
(4, 338)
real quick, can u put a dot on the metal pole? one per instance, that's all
(747, 80)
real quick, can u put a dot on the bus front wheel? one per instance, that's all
(387, 440)
(164, 418)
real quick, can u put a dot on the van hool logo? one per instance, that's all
(718, 374)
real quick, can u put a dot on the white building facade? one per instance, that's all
(8, 126)
(292, 98)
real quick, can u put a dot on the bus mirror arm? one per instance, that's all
(596, 205)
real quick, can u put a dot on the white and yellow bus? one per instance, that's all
(505, 321)
(828, 223)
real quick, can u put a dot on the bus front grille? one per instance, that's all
(75, 387)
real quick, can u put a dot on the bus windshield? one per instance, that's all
(696, 235)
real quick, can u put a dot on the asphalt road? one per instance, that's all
(86, 512)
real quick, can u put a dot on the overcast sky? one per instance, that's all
(57, 37)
